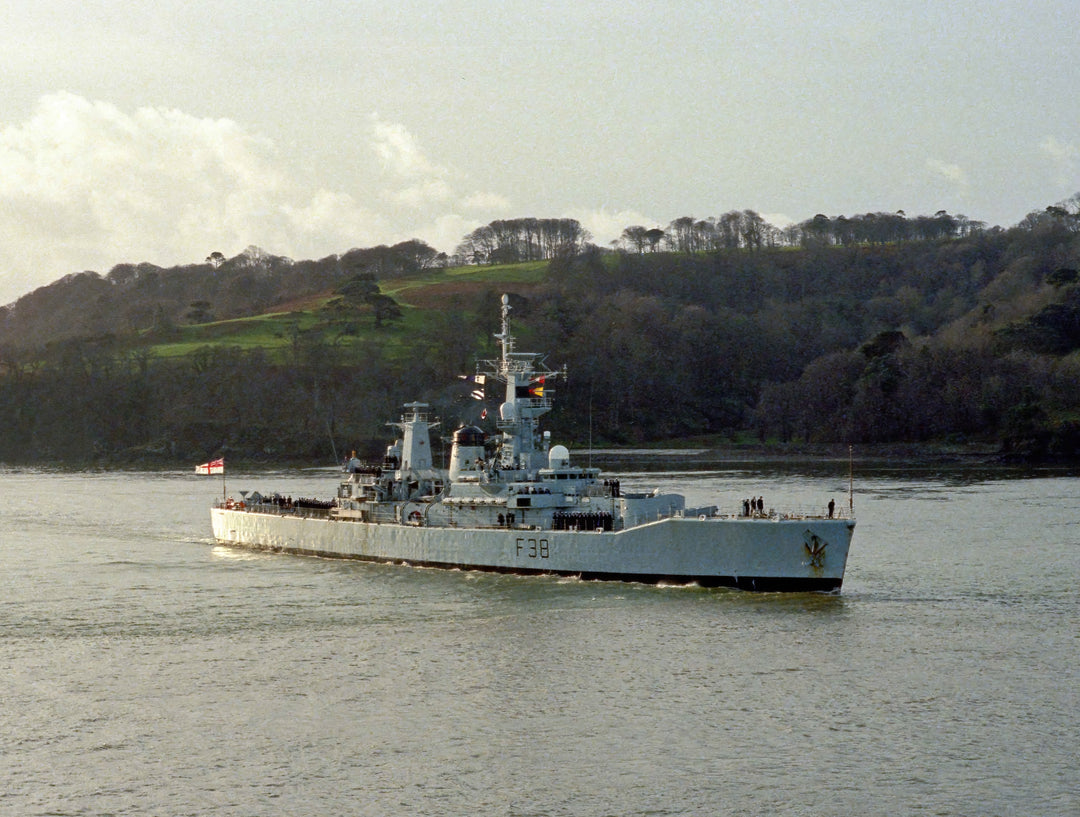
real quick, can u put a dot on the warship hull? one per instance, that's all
(763, 554)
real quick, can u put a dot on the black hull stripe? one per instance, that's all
(761, 584)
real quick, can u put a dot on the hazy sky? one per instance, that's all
(162, 132)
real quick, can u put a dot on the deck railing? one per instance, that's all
(797, 512)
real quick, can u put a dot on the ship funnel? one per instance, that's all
(467, 454)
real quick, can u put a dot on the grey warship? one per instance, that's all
(515, 503)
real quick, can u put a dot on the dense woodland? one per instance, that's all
(870, 329)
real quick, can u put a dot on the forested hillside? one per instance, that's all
(849, 330)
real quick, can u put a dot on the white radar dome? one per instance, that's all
(506, 411)
(558, 456)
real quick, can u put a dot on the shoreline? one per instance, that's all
(675, 452)
(974, 454)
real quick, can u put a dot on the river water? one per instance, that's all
(148, 671)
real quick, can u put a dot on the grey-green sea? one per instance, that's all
(147, 670)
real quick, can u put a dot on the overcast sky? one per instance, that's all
(162, 132)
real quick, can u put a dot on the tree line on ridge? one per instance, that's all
(969, 335)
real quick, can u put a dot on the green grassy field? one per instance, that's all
(278, 332)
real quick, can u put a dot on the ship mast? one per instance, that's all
(527, 398)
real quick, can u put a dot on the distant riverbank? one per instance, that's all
(818, 457)
(696, 454)
(973, 453)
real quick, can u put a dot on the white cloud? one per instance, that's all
(1058, 150)
(778, 220)
(430, 191)
(399, 151)
(952, 173)
(487, 202)
(606, 226)
(331, 222)
(448, 230)
(1065, 157)
(86, 185)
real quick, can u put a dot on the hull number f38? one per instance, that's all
(533, 548)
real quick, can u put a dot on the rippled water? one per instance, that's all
(149, 671)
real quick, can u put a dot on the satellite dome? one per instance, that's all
(558, 456)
